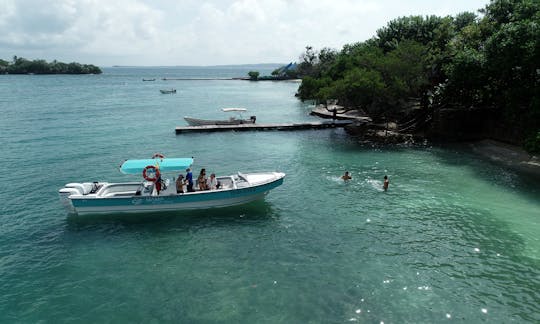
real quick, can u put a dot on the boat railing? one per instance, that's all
(113, 189)
(120, 194)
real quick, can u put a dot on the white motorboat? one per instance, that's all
(143, 196)
(231, 121)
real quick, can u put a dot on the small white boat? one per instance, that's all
(231, 121)
(143, 196)
(168, 91)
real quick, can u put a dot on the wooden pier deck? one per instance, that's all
(262, 127)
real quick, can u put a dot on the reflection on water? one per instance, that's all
(257, 211)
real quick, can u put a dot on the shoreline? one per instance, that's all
(510, 155)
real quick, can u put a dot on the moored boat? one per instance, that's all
(169, 91)
(231, 121)
(145, 196)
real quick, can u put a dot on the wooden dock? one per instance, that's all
(262, 127)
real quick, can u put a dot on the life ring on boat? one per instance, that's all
(156, 173)
(158, 155)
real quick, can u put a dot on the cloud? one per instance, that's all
(114, 28)
(191, 32)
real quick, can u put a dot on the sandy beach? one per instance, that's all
(510, 155)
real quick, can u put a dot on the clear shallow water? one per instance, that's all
(455, 236)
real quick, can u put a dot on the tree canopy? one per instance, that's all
(466, 61)
(21, 65)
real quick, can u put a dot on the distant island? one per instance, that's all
(20, 65)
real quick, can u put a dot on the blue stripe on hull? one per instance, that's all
(198, 200)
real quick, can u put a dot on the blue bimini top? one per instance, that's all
(164, 165)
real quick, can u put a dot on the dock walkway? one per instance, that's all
(262, 127)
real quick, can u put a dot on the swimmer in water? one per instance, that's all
(346, 176)
(386, 183)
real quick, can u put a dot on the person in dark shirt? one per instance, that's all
(189, 180)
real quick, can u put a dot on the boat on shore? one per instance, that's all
(146, 196)
(231, 121)
(167, 91)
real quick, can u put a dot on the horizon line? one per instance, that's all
(217, 65)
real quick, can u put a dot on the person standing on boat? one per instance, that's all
(158, 184)
(201, 180)
(189, 180)
(180, 184)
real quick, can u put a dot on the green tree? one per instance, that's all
(253, 75)
(308, 60)
(465, 61)
(463, 20)
(23, 66)
(3, 66)
(416, 28)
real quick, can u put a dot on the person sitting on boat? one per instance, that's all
(180, 184)
(189, 180)
(212, 182)
(201, 180)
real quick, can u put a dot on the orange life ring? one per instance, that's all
(158, 155)
(156, 172)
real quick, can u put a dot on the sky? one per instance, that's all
(197, 32)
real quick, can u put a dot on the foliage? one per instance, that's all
(496, 63)
(253, 75)
(463, 61)
(21, 65)
(364, 76)
(532, 143)
(3, 66)
(417, 28)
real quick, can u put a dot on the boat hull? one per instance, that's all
(83, 205)
(201, 122)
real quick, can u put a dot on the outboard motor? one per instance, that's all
(64, 198)
(253, 118)
(82, 188)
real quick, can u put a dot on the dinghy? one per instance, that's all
(231, 121)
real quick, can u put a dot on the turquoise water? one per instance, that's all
(454, 238)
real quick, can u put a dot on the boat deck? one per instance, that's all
(262, 127)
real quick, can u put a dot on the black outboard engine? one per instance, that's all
(253, 118)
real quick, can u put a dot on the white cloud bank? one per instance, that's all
(190, 32)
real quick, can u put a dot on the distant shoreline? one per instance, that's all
(267, 65)
(20, 65)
